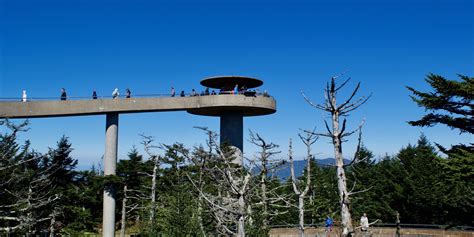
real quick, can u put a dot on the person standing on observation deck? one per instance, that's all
(115, 93)
(23, 97)
(173, 92)
(63, 94)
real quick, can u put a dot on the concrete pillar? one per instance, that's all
(232, 133)
(110, 162)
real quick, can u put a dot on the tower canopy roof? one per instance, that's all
(229, 82)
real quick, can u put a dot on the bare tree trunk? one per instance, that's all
(301, 215)
(263, 184)
(29, 215)
(308, 141)
(201, 226)
(201, 184)
(346, 220)
(148, 145)
(153, 193)
(52, 223)
(241, 228)
(124, 212)
(397, 233)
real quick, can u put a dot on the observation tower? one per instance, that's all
(235, 88)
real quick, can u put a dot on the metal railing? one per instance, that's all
(132, 96)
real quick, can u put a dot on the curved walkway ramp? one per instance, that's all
(211, 105)
(230, 108)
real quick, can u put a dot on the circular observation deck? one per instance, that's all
(245, 103)
(218, 105)
(227, 83)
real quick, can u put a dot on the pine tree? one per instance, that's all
(64, 184)
(178, 215)
(60, 159)
(87, 208)
(423, 186)
(132, 193)
(450, 104)
(390, 178)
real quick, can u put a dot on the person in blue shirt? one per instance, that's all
(329, 223)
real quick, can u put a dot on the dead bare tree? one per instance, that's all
(230, 204)
(25, 184)
(8, 157)
(147, 142)
(338, 135)
(308, 140)
(123, 220)
(129, 194)
(200, 159)
(269, 200)
(30, 200)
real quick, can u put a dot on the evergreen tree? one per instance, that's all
(177, 215)
(323, 196)
(60, 159)
(423, 186)
(87, 208)
(457, 174)
(451, 103)
(132, 194)
(366, 182)
(63, 182)
(390, 178)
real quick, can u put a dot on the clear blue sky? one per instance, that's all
(150, 46)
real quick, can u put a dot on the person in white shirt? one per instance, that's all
(116, 93)
(364, 223)
(23, 98)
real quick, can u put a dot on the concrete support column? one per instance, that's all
(232, 133)
(110, 162)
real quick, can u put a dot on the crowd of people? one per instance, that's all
(128, 93)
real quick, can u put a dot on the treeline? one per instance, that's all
(193, 190)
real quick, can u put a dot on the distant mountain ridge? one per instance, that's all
(284, 172)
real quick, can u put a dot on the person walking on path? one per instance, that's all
(128, 93)
(23, 97)
(236, 89)
(94, 95)
(63, 94)
(173, 91)
(115, 93)
(364, 223)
